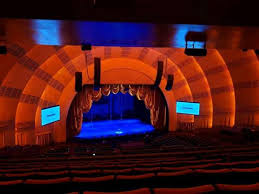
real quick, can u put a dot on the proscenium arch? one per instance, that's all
(67, 96)
(74, 52)
(77, 52)
(22, 107)
(117, 52)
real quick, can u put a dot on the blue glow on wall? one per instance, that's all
(113, 33)
(50, 115)
(191, 108)
(47, 32)
(181, 32)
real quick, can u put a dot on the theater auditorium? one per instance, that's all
(129, 97)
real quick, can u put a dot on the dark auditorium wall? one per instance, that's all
(32, 77)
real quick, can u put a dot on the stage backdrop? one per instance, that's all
(117, 106)
(153, 100)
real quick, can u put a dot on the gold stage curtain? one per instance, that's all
(82, 102)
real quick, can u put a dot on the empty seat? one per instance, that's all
(48, 181)
(22, 175)
(146, 170)
(51, 175)
(9, 183)
(175, 179)
(85, 173)
(215, 176)
(246, 175)
(118, 171)
(224, 188)
(128, 182)
(57, 185)
(192, 190)
(53, 168)
(104, 183)
(137, 191)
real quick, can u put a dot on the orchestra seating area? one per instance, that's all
(169, 163)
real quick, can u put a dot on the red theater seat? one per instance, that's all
(145, 170)
(192, 190)
(129, 182)
(248, 170)
(171, 174)
(47, 181)
(238, 188)
(8, 183)
(85, 172)
(137, 191)
(119, 171)
(213, 171)
(92, 179)
(174, 168)
(135, 177)
(174, 179)
(104, 183)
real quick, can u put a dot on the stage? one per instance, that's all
(111, 128)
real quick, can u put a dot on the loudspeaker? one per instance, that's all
(3, 50)
(159, 74)
(170, 82)
(195, 52)
(78, 82)
(86, 47)
(97, 72)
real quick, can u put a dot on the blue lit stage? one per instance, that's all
(111, 128)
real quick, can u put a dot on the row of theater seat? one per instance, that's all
(79, 182)
(209, 188)
(167, 165)
(116, 165)
(127, 169)
(247, 152)
(218, 188)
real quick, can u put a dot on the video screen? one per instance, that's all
(191, 108)
(50, 115)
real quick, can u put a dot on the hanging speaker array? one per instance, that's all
(160, 67)
(78, 81)
(97, 73)
(170, 82)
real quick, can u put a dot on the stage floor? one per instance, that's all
(109, 128)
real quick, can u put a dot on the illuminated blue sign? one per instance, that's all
(190, 108)
(50, 115)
